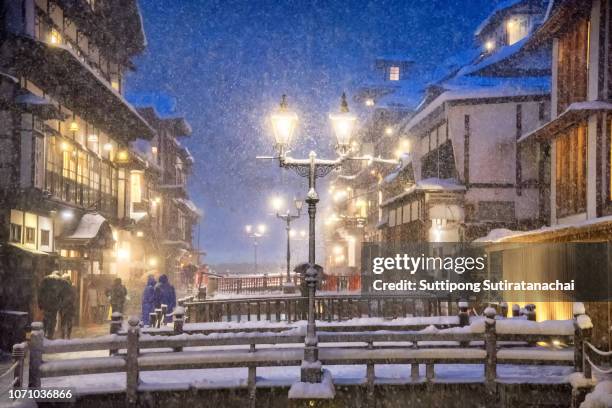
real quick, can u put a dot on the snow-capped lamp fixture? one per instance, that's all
(343, 123)
(74, 126)
(298, 204)
(489, 45)
(283, 125)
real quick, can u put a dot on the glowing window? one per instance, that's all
(517, 28)
(394, 73)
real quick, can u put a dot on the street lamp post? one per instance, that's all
(283, 126)
(255, 235)
(289, 287)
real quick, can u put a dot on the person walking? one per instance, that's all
(48, 295)
(67, 302)
(165, 295)
(148, 299)
(118, 295)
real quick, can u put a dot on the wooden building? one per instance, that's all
(65, 131)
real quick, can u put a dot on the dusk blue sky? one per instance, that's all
(224, 64)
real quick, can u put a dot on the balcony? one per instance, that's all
(67, 77)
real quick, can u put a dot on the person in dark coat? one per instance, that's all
(148, 299)
(165, 295)
(118, 296)
(48, 295)
(67, 302)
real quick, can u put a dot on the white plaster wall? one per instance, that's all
(492, 141)
(526, 205)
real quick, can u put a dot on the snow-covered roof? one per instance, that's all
(476, 87)
(405, 161)
(190, 205)
(499, 10)
(430, 184)
(88, 227)
(573, 113)
(504, 235)
(516, 55)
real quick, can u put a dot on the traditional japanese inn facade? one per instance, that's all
(75, 193)
(579, 138)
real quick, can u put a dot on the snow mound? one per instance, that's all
(578, 308)
(548, 327)
(600, 397)
(322, 390)
(584, 322)
(577, 380)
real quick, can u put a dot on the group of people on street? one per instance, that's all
(57, 295)
(156, 294)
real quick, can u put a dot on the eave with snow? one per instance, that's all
(92, 231)
(69, 78)
(575, 113)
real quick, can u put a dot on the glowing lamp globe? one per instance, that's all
(283, 124)
(343, 123)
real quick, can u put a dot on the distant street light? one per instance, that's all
(255, 234)
(283, 127)
(287, 217)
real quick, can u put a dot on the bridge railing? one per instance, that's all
(13, 377)
(252, 284)
(327, 307)
(484, 341)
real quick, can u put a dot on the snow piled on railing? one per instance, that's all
(305, 390)
(600, 397)
(548, 327)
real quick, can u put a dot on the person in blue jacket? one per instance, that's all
(148, 299)
(165, 295)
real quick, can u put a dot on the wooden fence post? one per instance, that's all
(158, 313)
(152, 319)
(464, 319)
(491, 347)
(414, 371)
(164, 309)
(504, 309)
(36, 353)
(115, 327)
(370, 377)
(132, 374)
(516, 310)
(18, 353)
(530, 312)
(179, 320)
(578, 341)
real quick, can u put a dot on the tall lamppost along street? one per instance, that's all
(287, 217)
(283, 126)
(255, 234)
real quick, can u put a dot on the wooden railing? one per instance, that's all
(489, 341)
(253, 284)
(13, 376)
(328, 307)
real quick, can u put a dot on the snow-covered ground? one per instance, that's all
(286, 376)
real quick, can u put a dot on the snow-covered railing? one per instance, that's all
(483, 341)
(14, 373)
(328, 307)
(252, 284)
